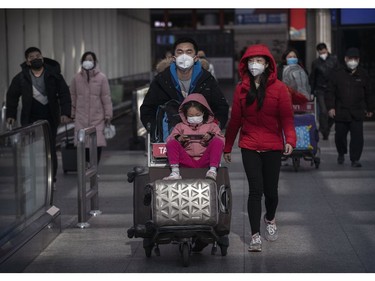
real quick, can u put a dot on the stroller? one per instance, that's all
(307, 136)
(179, 211)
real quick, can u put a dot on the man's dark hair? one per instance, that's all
(31, 50)
(86, 54)
(321, 46)
(185, 40)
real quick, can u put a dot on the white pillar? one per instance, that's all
(323, 28)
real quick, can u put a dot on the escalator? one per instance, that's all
(28, 220)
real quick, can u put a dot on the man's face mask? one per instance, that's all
(36, 64)
(352, 64)
(323, 56)
(184, 62)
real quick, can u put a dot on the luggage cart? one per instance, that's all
(201, 207)
(307, 136)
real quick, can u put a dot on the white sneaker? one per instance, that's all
(271, 233)
(211, 174)
(255, 243)
(173, 176)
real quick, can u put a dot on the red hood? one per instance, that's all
(257, 50)
(198, 98)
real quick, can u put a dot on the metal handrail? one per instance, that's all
(85, 173)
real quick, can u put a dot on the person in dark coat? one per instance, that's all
(321, 70)
(183, 77)
(349, 101)
(45, 96)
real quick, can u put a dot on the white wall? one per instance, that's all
(121, 40)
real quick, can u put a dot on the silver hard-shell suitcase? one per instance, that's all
(185, 202)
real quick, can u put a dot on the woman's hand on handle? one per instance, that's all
(288, 149)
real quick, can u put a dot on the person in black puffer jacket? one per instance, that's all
(349, 101)
(45, 96)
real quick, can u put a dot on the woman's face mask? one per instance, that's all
(184, 62)
(195, 119)
(255, 68)
(291, 61)
(88, 64)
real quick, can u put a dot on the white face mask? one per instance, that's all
(195, 119)
(184, 62)
(352, 64)
(256, 68)
(88, 64)
(323, 56)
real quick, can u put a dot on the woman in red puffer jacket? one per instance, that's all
(262, 112)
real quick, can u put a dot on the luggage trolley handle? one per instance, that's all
(224, 201)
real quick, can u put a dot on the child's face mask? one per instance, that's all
(195, 119)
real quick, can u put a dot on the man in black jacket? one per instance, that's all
(183, 77)
(349, 101)
(45, 96)
(321, 70)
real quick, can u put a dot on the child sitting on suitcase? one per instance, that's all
(197, 141)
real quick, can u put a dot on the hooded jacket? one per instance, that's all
(264, 129)
(194, 148)
(91, 102)
(57, 91)
(165, 87)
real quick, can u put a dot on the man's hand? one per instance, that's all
(332, 113)
(10, 123)
(65, 119)
(227, 157)
(369, 114)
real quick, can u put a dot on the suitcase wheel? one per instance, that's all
(185, 253)
(148, 244)
(157, 250)
(214, 249)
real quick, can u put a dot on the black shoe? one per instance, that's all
(341, 159)
(356, 164)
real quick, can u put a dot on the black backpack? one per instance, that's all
(167, 117)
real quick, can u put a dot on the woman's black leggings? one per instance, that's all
(262, 170)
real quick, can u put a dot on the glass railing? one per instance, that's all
(25, 178)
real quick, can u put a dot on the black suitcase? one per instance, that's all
(68, 154)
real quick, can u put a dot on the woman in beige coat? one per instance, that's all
(91, 100)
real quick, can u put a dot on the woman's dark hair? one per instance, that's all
(260, 93)
(197, 105)
(89, 53)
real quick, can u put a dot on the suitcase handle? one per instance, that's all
(224, 199)
(66, 135)
(148, 191)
